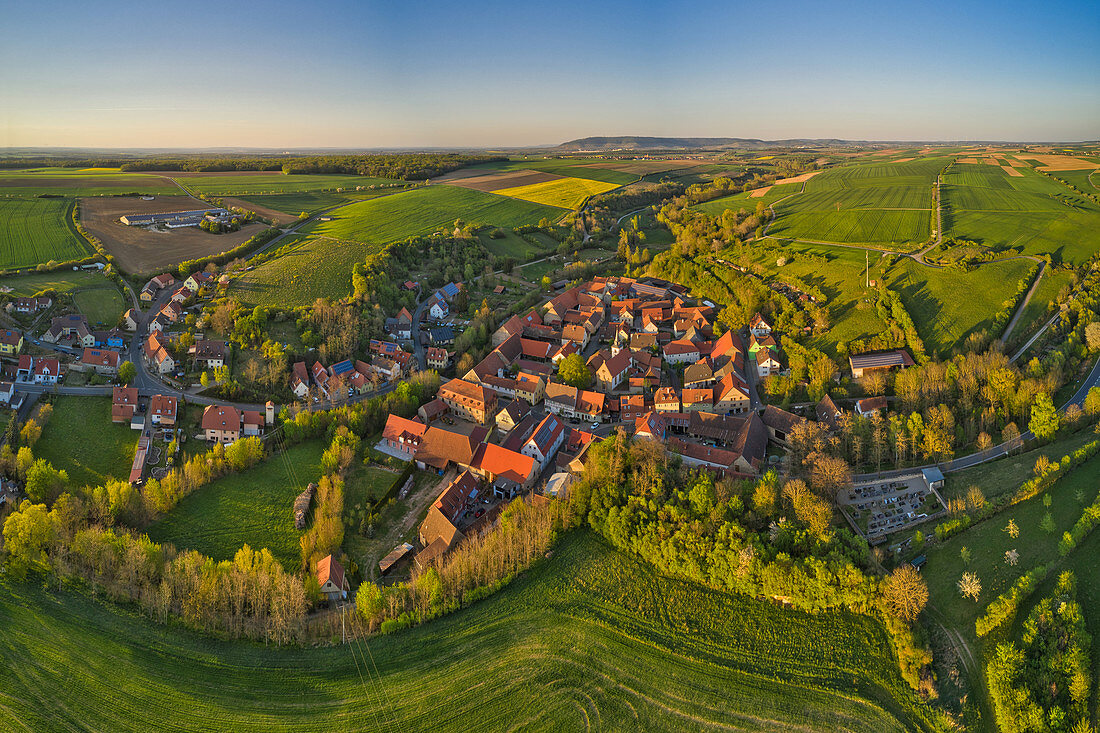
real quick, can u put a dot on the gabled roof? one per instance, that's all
(124, 396)
(650, 425)
(881, 360)
(330, 570)
(100, 357)
(546, 434)
(871, 404)
(440, 447)
(161, 404)
(501, 462)
(460, 388)
(681, 347)
(781, 420)
(221, 417)
(827, 412)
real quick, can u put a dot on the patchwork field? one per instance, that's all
(592, 169)
(145, 250)
(588, 639)
(91, 456)
(480, 180)
(80, 182)
(567, 193)
(254, 507)
(747, 200)
(310, 202)
(102, 305)
(301, 271)
(33, 231)
(427, 210)
(259, 182)
(1031, 213)
(513, 245)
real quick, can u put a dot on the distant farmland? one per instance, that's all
(80, 182)
(427, 210)
(568, 193)
(247, 182)
(38, 230)
(580, 168)
(307, 201)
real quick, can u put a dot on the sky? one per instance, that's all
(420, 73)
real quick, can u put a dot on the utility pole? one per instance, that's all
(867, 268)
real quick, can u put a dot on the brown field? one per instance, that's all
(504, 179)
(968, 160)
(1062, 163)
(759, 192)
(141, 250)
(279, 217)
(904, 160)
(1012, 171)
(642, 167)
(797, 179)
(991, 161)
(1018, 163)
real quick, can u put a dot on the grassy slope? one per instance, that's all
(746, 200)
(512, 245)
(101, 305)
(36, 230)
(81, 439)
(1038, 309)
(426, 210)
(254, 507)
(304, 270)
(251, 183)
(308, 201)
(590, 639)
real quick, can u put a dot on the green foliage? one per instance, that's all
(1044, 417)
(126, 372)
(574, 371)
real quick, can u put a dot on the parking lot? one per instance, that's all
(878, 508)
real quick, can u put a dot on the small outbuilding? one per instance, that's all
(331, 578)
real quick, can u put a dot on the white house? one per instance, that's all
(439, 309)
(545, 441)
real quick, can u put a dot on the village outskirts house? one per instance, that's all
(332, 579)
(101, 361)
(11, 342)
(208, 354)
(162, 410)
(544, 443)
(221, 424)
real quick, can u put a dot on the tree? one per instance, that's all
(44, 482)
(574, 371)
(965, 554)
(905, 592)
(1012, 529)
(126, 372)
(1047, 524)
(27, 533)
(1092, 335)
(1044, 418)
(984, 442)
(1012, 557)
(970, 586)
(1092, 402)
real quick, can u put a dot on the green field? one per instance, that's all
(38, 230)
(102, 305)
(81, 439)
(567, 193)
(512, 245)
(746, 200)
(80, 182)
(1031, 213)
(254, 507)
(367, 484)
(575, 168)
(947, 305)
(309, 201)
(302, 271)
(427, 210)
(1038, 310)
(62, 281)
(1087, 181)
(589, 640)
(228, 184)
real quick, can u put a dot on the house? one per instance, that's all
(24, 370)
(731, 394)
(29, 306)
(47, 370)
(699, 375)
(181, 295)
(590, 405)
(693, 400)
(164, 280)
(576, 334)
(208, 354)
(471, 401)
(759, 327)
(511, 415)
(299, 380)
(221, 423)
(544, 443)
(681, 352)
(112, 339)
(561, 399)
(148, 294)
(438, 308)
(320, 376)
(514, 326)
(440, 449)
(171, 311)
(162, 410)
(666, 399)
(75, 326)
(879, 360)
(651, 425)
(401, 437)
(438, 358)
(196, 281)
(11, 342)
(870, 405)
(252, 423)
(124, 402)
(441, 335)
(103, 361)
(7, 392)
(828, 413)
(330, 577)
(432, 411)
(631, 407)
(612, 372)
(438, 532)
(767, 363)
(494, 462)
(780, 423)
(156, 353)
(130, 319)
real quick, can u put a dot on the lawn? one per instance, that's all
(102, 305)
(80, 182)
(33, 231)
(427, 210)
(81, 439)
(302, 271)
(567, 193)
(588, 639)
(1030, 213)
(254, 507)
(62, 281)
(227, 184)
(367, 484)
(947, 305)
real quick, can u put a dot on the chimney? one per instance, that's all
(270, 412)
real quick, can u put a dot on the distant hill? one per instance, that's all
(635, 142)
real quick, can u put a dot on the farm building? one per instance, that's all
(174, 219)
(861, 363)
(331, 578)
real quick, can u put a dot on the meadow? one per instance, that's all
(1087, 181)
(1030, 213)
(567, 193)
(512, 245)
(1038, 309)
(81, 439)
(244, 183)
(569, 167)
(301, 271)
(588, 639)
(428, 210)
(80, 182)
(745, 200)
(308, 201)
(38, 230)
(254, 507)
(102, 305)
(62, 281)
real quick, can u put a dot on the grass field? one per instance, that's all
(302, 271)
(62, 281)
(1087, 181)
(226, 184)
(589, 640)
(367, 484)
(102, 305)
(746, 200)
(1031, 213)
(567, 193)
(575, 168)
(80, 182)
(427, 210)
(81, 439)
(295, 203)
(1037, 311)
(37, 230)
(254, 507)
(948, 305)
(512, 245)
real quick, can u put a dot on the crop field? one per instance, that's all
(1031, 213)
(33, 231)
(62, 281)
(308, 268)
(80, 182)
(102, 305)
(249, 182)
(295, 203)
(1087, 181)
(591, 169)
(81, 439)
(588, 639)
(567, 193)
(948, 305)
(427, 210)
(254, 507)
(900, 230)
(746, 200)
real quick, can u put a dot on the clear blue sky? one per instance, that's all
(422, 73)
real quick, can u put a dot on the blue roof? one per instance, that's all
(342, 367)
(450, 290)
